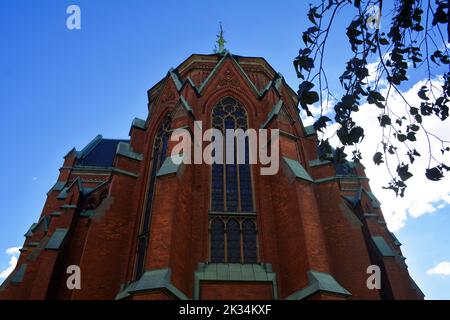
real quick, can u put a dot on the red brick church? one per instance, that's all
(139, 226)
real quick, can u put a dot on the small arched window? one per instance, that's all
(233, 239)
(159, 154)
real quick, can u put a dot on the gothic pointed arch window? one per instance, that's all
(159, 154)
(232, 228)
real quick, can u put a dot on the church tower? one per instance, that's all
(140, 225)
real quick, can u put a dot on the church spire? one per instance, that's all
(220, 41)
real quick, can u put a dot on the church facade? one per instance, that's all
(137, 225)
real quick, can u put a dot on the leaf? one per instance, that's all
(401, 137)
(423, 94)
(392, 149)
(403, 173)
(324, 150)
(440, 16)
(312, 15)
(384, 120)
(378, 158)
(434, 174)
(436, 54)
(384, 41)
(340, 155)
(412, 154)
(307, 97)
(375, 97)
(411, 136)
(321, 123)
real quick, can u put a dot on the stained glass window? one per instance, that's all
(231, 183)
(233, 239)
(217, 241)
(249, 241)
(233, 232)
(158, 156)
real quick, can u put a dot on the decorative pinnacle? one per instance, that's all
(220, 41)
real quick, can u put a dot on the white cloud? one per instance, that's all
(422, 195)
(443, 269)
(13, 254)
(374, 69)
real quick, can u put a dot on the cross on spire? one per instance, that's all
(220, 40)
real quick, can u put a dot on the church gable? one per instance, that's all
(228, 73)
(168, 96)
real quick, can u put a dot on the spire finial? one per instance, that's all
(220, 40)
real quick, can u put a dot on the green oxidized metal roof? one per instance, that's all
(171, 165)
(383, 246)
(297, 169)
(56, 239)
(273, 113)
(20, 273)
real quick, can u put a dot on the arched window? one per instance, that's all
(233, 239)
(159, 154)
(233, 232)
(231, 183)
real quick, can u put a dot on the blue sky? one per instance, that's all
(60, 88)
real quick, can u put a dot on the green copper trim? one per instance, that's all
(237, 65)
(383, 247)
(139, 124)
(186, 106)
(309, 130)
(91, 145)
(59, 185)
(350, 215)
(42, 225)
(319, 282)
(124, 149)
(288, 135)
(57, 239)
(62, 195)
(234, 272)
(126, 173)
(171, 165)
(87, 214)
(357, 197)
(375, 203)
(318, 162)
(396, 241)
(68, 206)
(176, 80)
(273, 113)
(29, 233)
(152, 280)
(297, 169)
(19, 274)
(33, 244)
